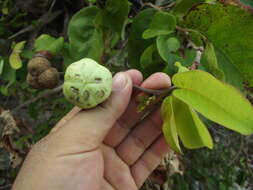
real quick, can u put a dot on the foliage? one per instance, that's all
(205, 46)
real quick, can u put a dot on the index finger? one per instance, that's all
(131, 116)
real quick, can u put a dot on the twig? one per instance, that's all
(159, 97)
(159, 7)
(152, 6)
(45, 19)
(186, 31)
(43, 95)
(152, 91)
(197, 60)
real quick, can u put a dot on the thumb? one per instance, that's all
(88, 128)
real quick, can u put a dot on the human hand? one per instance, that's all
(105, 148)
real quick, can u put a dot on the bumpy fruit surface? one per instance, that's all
(38, 65)
(87, 83)
(32, 81)
(49, 78)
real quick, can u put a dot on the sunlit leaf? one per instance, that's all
(215, 100)
(15, 59)
(169, 125)
(191, 130)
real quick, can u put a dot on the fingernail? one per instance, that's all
(119, 81)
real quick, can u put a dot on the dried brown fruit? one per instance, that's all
(49, 78)
(33, 82)
(38, 65)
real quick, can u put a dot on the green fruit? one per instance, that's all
(87, 83)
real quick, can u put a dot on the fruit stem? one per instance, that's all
(153, 91)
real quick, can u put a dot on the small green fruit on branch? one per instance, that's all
(87, 83)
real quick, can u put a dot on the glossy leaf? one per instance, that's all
(230, 29)
(166, 45)
(169, 125)
(15, 59)
(215, 100)
(162, 23)
(84, 38)
(49, 43)
(210, 62)
(191, 130)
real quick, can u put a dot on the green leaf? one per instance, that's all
(210, 62)
(147, 56)
(232, 75)
(169, 125)
(15, 59)
(228, 28)
(1, 65)
(84, 39)
(181, 68)
(114, 15)
(191, 130)
(183, 6)
(215, 100)
(8, 75)
(137, 44)
(166, 45)
(48, 43)
(162, 23)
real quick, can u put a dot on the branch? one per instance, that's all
(44, 20)
(158, 95)
(43, 95)
(197, 60)
(159, 8)
(152, 91)
(199, 52)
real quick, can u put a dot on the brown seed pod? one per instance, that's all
(32, 81)
(38, 65)
(49, 78)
